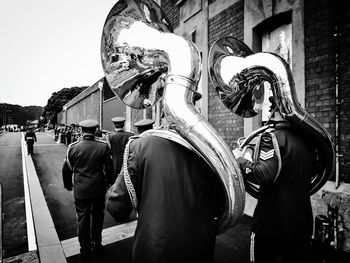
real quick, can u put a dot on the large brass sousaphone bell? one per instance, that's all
(144, 61)
(238, 75)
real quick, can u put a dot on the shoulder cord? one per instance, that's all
(278, 153)
(108, 142)
(67, 159)
(252, 247)
(127, 179)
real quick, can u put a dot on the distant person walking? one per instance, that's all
(117, 141)
(30, 138)
(89, 159)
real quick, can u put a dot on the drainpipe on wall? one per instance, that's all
(100, 87)
(65, 115)
(205, 76)
(338, 103)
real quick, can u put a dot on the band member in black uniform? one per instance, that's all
(177, 197)
(117, 142)
(89, 159)
(68, 135)
(30, 138)
(144, 125)
(282, 165)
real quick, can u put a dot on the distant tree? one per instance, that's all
(16, 114)
(56, 102)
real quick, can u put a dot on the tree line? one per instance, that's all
(16, 114)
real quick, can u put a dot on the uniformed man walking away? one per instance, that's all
(144, 125)
(117, 141)
(177, 197)
(30, 138)
(90, 161)
(282, 165)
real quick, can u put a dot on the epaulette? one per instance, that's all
(73, 143)
(133, 137)
(99, 140)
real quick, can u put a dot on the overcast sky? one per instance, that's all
(47, 45)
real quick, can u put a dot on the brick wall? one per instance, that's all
(88, 108)
(320, 71)
(227, 23)
(172, 12)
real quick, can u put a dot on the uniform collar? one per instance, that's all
(88, 136)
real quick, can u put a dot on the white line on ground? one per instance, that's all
(28, 206)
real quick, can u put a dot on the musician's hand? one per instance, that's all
(237, 153)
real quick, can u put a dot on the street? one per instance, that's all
(11, 177)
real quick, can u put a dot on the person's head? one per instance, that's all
(118, 122)
(144, 125)
(88, 126)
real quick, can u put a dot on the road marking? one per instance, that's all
(28, 205)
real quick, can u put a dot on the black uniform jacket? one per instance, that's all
(178, 197)
(90, 162)
(117, 142)
(30, 136)
(283, 164)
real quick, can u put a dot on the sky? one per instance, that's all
(48, 45)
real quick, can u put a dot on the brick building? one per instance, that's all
(318, 36)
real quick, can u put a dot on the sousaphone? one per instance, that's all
(144, 62)
(238, 76)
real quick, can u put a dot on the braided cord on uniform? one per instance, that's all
(277, 149)
(127, 179)
(252, 247)
(67, 159)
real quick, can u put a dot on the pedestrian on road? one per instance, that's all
(89, 160)
(69, 135)
(117, 141)
(30, 138)
(282, 165)
(177, 196)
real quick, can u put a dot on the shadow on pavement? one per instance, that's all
(231, 246)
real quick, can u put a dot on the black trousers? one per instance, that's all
(30, 146)
(264, 249)
(90, 214)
